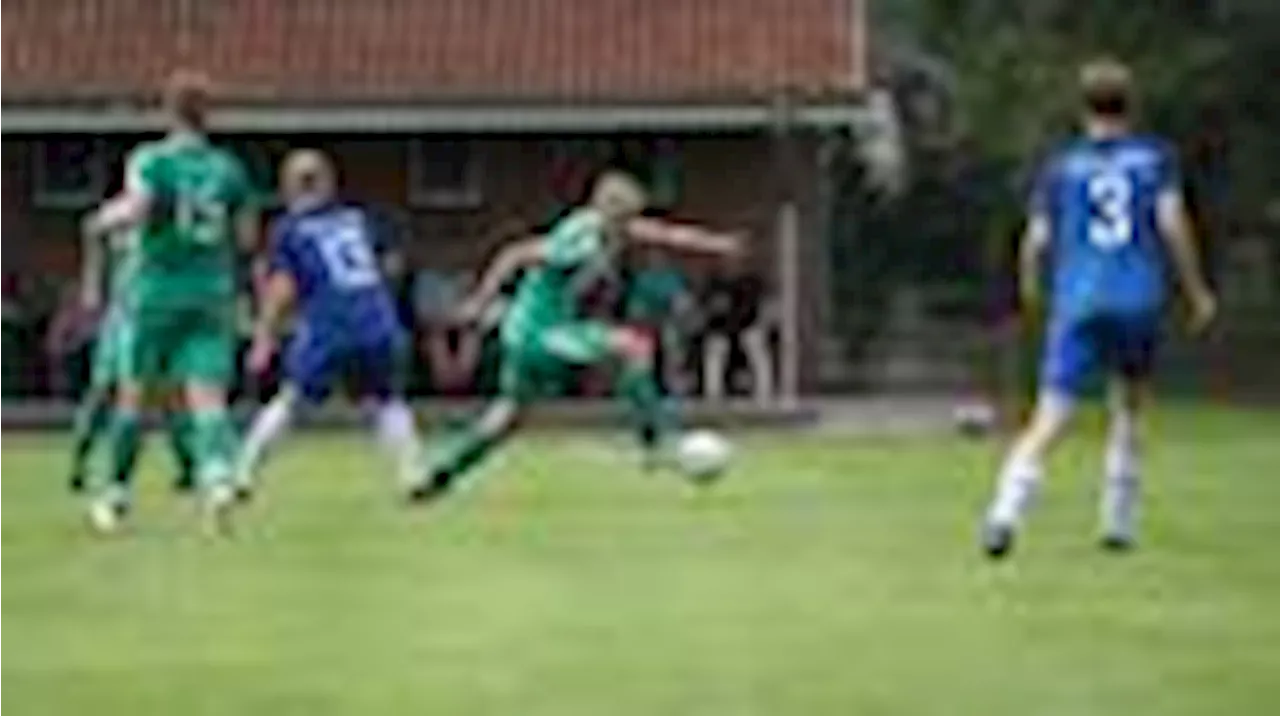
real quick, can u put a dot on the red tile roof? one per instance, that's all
(282, 50)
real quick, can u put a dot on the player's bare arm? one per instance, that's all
(511, 259)
(125, 211)
(92, 266)
(248, 228)
(277, 299)
(1035, 241)
(683, 237)
(1175, 229)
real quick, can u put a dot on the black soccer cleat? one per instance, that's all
(184, 484)
(76, 483)
(243, 493)
(997, 541)
(1116, 543)
(436, 485)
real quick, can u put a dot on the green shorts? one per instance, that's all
(537, 363)
(178, 345)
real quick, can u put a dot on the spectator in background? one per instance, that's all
(452, 350)
(657, 297)
(737, 317)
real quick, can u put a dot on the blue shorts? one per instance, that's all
(314, 360)
(1077, 349)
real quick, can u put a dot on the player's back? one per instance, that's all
(185, 249)
(1100, 197)
(330, 252)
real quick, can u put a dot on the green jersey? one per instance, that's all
(183, 254)
(578, 254)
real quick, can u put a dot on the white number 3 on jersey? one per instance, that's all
(1110, 210)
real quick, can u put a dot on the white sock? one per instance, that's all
(1121, 486)
(398, 434)
(1020, 477)
(271, 423)
(1018, 484)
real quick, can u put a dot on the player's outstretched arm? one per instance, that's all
(1175, 228)
(1035, 241)
(683, 237)
(512, 258)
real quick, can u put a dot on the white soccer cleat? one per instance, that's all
(219, 502)
(106, 516)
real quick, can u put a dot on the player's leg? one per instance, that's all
(633, 355)
(93, 414)
(382, 366)
(309, 363)
(523, 366)
(178, 429)
(1070, 354)
(138, 344)
(1133, 358)
(202, 362)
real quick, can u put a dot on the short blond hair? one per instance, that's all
(305, 169)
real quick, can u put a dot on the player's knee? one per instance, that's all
(638, 348)
(128, 397)
(500, 416)
(1127, 396)
(206, 397)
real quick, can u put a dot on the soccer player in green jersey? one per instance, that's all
(184, 202)
(543, 332)
(93, 414)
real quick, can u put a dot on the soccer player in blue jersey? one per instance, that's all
(323, 259)
(1107, 212)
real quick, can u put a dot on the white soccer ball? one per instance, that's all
(703, 454)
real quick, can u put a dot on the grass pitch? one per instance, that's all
(824, 576)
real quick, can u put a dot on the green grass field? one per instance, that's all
(825, 576)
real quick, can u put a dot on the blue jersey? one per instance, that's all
(349, 320)
(1099, 198)
(330, 252)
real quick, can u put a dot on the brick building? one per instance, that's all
(467, 116)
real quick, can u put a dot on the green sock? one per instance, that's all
(126, 439)
(212, 445)
(92, 418)
(179, 430)
(638, 386)
(467, 449)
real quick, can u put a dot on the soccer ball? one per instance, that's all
(703, 454)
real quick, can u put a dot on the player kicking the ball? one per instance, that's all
(323, 259)
(1108, 209)
(184, 203)
(543, 333)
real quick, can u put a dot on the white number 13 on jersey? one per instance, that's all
(347, 256)
(1110, 210)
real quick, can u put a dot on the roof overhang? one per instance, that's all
(18, 118)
